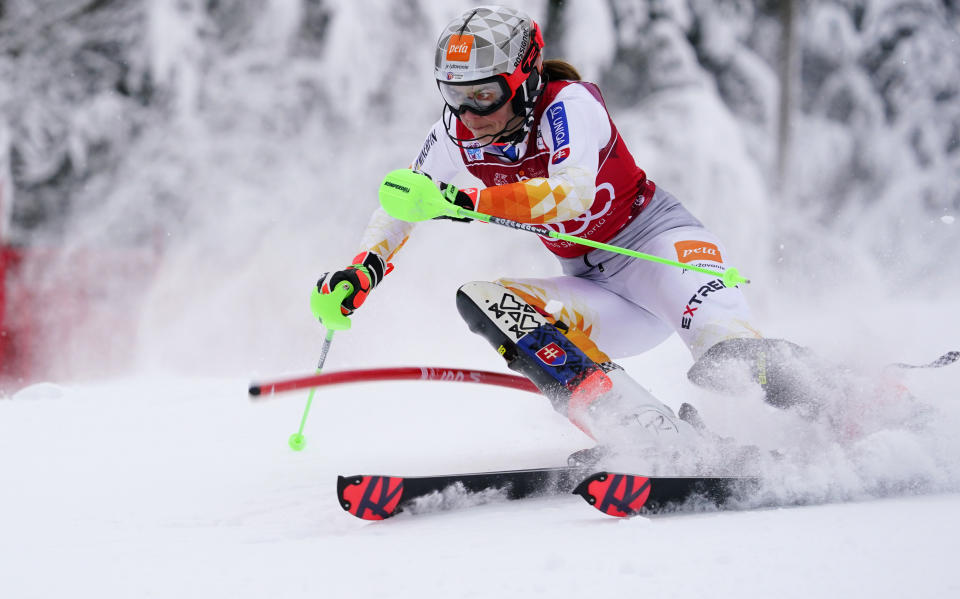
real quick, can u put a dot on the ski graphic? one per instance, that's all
(377, 497)
(945, 360)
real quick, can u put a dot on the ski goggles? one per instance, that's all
(479, 97)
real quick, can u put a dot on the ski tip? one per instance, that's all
(370, 497)
(619, 495)
(254, 390)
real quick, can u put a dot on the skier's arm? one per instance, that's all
(384, 234)
(575, 128)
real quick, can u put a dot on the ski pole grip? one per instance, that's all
(413, 197)
(326, 306)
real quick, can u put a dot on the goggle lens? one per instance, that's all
(479, 97)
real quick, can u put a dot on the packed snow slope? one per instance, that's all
(183, 487)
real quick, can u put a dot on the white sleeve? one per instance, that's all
(575, 127)
(439, 157)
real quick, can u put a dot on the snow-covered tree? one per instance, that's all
(75, 93)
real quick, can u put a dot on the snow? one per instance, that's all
(159, 486)
(162, 487)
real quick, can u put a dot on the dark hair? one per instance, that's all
(560, 70)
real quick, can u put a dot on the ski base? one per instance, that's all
(375, 497)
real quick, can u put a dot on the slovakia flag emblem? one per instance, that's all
(560, 155)
(552, 355)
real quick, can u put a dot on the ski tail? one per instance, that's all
(945, 360)
(619, 495)
(370, 497)
(624, 495)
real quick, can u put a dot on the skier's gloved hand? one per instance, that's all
(458, 197)
(366, 272)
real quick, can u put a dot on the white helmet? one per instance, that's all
(485, 58)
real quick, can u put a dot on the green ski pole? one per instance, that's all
(326, 307)
(413, 197)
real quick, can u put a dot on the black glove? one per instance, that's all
(364, 274)
(458, 198)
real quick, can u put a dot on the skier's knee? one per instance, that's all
(529, 343)
(568, 324)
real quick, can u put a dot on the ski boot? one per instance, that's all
(790, 376)
(728, 454)
(851, 403)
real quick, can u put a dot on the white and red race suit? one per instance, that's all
(574, 174)
(593, 188)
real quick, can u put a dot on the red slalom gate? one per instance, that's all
(405, 373)
(13, 335)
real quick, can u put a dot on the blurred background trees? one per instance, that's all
(219, 128)
(850, 103)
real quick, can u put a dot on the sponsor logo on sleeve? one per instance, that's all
(431, 139)
(557, 118)
(560, 156)
(695, 251)
(459, 47)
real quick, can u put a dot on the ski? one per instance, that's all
(377, 497)
(945, 360)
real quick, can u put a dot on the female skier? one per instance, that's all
(546, 149)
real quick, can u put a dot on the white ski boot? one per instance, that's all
(628, 422)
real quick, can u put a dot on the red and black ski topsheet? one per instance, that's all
(618, 495)
(624, 495)
(377, 497)
(370, 497)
